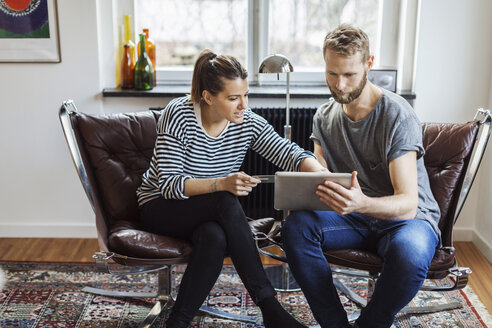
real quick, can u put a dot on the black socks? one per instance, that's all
(275, 316)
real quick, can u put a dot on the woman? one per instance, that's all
(190, 190)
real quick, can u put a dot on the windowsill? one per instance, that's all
(255, 91)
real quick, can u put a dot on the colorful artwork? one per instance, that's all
(20, 19)
(29, 31)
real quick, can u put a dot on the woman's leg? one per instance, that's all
(182, 217)
(209, 248)
(179, 218)
(244, 254)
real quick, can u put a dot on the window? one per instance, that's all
(297, 27)
(252, 29)
(183, 28)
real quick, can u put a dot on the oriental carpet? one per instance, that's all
(49, 295)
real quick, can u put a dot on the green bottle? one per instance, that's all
(144, 71)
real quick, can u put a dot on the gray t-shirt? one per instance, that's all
(369, 145)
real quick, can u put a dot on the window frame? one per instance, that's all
(397, 46)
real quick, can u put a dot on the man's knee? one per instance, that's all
(294, 223)
(295, 228)
(414, 250)
(210, 235)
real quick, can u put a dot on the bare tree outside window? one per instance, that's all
(181, 29)
(298, 27)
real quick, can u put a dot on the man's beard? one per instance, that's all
(352, 95)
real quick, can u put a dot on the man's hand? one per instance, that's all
(402, 205)
(239, 184)
(340, 199)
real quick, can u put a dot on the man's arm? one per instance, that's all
(402, 205)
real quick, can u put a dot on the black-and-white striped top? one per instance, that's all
(184, 150)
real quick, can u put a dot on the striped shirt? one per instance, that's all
(183, 150)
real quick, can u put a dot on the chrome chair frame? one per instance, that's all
(108, 262)
(459, 274)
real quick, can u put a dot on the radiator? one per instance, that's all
(259, 203)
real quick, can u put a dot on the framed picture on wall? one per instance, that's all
(29, 31)
(384, 78)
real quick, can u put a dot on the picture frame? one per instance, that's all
(29, 32)
(384, 78)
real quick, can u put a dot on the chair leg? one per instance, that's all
(226, 315)
(349, 293)
(371, 285)
(155, 312)
(431, 308)
(165, 300)
(460, 281)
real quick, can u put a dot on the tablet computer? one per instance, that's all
(297, 190)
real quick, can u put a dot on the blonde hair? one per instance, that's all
(347, 40)
(209, 71)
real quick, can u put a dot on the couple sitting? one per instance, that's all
(194, 174)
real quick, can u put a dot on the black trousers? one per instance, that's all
(216, 225)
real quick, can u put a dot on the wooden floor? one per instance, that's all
(81, 250)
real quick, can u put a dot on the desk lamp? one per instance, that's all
(280, 276)
(280, 64)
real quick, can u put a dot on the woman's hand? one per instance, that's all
(239, 184)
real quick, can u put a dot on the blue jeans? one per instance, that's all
(406, 246)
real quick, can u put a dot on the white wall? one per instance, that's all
(40, 194)
(453, 79)
(483, 229)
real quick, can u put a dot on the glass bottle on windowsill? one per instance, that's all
(150, 47)
(144, 71)
(127, 69)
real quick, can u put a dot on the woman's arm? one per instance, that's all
(239, 184)
(279, 151)
(312, 165)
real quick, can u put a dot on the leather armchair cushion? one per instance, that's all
(261, 225)
(447, 150)
(119, 148)
(354, 258)
(369, 261)
(127, 238)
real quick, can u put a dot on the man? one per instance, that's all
(389, 209)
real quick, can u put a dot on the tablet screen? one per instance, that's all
(297, 190)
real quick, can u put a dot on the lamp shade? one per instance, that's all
(275, 64)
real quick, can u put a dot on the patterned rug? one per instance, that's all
(49, 295)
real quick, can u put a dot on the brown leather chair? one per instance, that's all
(110, 153)
(453, 152)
